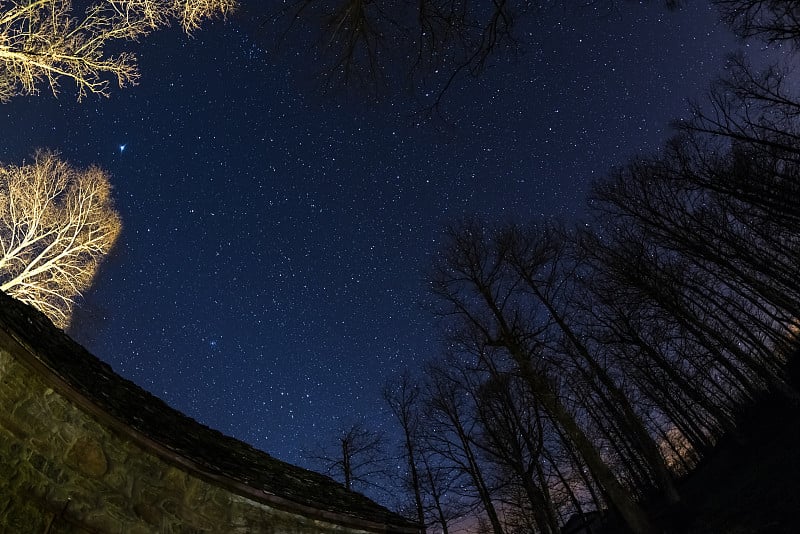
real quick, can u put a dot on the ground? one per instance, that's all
(750, 483)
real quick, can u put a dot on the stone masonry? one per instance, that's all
(67, 466)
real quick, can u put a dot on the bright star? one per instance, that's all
(122, 148)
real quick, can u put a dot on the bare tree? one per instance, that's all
(192, 13)
(718, 264)
(357, 459)
(751, 119)
(659, 359)
(46, 41)
(56, 224)
(365, 42)
(451, 409)
(513, 437)
(402, 396)
(541, 259)
(483, 296)
(696, 258)
(439, 483)
(770, 20)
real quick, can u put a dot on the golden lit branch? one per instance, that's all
(43, 41)
(193, 12)
(56, 223)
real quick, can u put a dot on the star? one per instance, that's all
(122, 148)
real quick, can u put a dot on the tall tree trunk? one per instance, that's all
(437, 497)
(346, 463)
(633, 514)
(646, 445)
(415, 482)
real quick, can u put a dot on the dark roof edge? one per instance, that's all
(51, 377)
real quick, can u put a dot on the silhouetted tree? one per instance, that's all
(774, 21)
(695, 260)
(666, 368)
(485, 297)
(402, 396)
(636, 342)
(540, 257)
(369, 42)
(513, 437)
(454, 428)
(704, 260)
(752, 120)
(440, 488)
(357, 459)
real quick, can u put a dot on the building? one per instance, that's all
(584, 523)
(82, 450)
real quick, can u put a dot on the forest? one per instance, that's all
(588, 372)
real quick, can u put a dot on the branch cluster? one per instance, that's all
(585, 369)
(56, 223)
(45, 41)
(365, 43)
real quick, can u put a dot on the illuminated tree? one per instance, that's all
(47, 41)
(56, 224)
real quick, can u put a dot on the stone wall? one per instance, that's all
(62, 471)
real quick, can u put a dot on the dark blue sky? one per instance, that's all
(269, 273)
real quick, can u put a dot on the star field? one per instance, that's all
(269, 274)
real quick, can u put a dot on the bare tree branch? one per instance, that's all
(45, 41)
(56, 224)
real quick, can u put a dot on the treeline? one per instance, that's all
(585, 369)
(588, 368)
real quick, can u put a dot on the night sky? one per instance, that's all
(270, 270)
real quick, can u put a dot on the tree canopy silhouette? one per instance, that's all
(368, 43)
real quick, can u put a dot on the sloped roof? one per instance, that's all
(204, 451)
